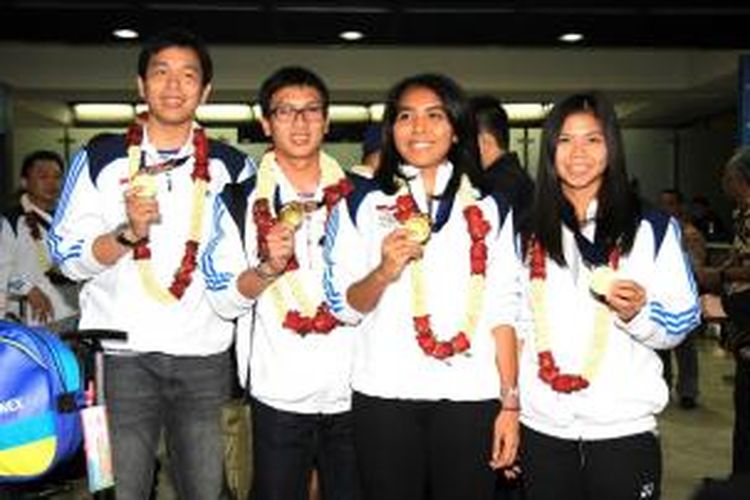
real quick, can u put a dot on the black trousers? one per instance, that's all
(287, 446)
(627, 468)
(741, 436)
(415, 450)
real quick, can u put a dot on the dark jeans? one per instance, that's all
(627, 468)
(415, 450)
(181, 395)
(287, 446)
(741, 437)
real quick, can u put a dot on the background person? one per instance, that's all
(686, 353)
(502, 168)
(47, 294)
(734, 301)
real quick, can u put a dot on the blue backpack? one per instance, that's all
(40, 398)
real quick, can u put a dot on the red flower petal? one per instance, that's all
(427, 342)
(422, 324)
(460, 342)
(443, 350)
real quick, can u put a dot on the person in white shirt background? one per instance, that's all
(608, 283)
(426, 261)
(133, 218)
(264, 264)
(47, 294)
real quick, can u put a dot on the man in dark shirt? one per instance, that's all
(503, 172)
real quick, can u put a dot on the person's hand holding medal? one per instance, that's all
(142, 209)
(419, 227)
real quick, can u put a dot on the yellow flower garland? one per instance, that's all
(475, 295)
(145, 270)
(548, 369)
(330, 174)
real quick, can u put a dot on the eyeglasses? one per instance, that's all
(287, 114)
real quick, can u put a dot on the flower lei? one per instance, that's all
(309, 318)
(549, 372)
(141, 252)
(477, 227)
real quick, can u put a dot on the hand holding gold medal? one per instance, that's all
(602, 279)
(419, 227)
(144, 185)
(292, 214)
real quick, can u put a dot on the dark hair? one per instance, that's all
(40, 155)
(176, 37)
(291, 76)
(491, 117)
(463, 153)
(674, 192)
(371, 140)
(618, 211)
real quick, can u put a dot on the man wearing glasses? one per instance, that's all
(264, 265)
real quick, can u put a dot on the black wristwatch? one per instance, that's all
(124, 241)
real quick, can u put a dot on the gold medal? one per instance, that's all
(601, 280)
(419, 228)
(292, 214)
(147, 185)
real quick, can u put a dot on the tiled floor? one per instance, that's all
(697, 443)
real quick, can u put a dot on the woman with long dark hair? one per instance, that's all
(427, 261)
(608, 284)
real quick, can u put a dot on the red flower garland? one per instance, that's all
(478, 228)
(323, 321)
(184, 274)
(549, 372)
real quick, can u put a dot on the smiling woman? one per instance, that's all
(591, 382)
(428, 257)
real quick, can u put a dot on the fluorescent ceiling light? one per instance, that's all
(348, 113)
(242, 112)
(224, 113)
(516, 111)
(351, 36)
(376, 111)
(101, 112)
(526, 111)
(125, 34)
(570, 37)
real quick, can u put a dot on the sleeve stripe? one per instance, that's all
(677, 329)
(333, 297)
(58, 255)
(215, 280)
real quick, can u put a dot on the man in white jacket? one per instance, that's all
(264, 264)
(133, 217)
